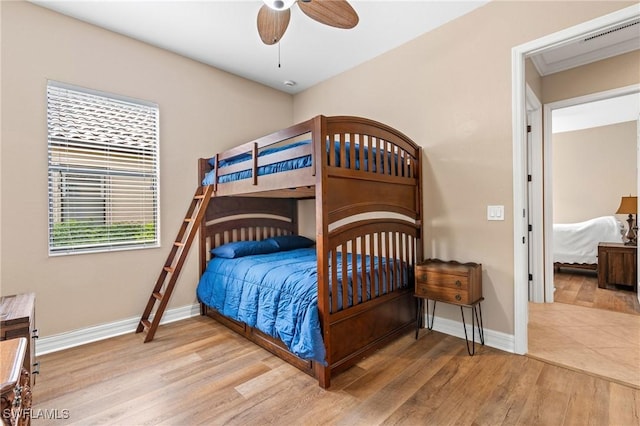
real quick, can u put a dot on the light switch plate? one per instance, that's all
(495, 212)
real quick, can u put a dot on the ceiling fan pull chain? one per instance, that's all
(278, 54)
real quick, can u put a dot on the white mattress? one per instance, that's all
(578, 242)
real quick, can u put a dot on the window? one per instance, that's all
(103, 171)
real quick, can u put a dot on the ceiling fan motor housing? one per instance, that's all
(279, 4)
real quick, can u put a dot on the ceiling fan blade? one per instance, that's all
(272, 24)
(335, 13)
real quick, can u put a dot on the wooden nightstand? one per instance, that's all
(450, 282)
(617, 265)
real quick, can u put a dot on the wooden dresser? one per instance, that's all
(17, 319)
(15, 392)
(450, 282)
(617, 265)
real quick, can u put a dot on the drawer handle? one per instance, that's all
(36, 368)
(458, 297)
(423, 277)
(458, 283)
(34, 334)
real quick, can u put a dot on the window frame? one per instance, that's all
(84, 140)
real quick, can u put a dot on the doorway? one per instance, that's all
(531, 240)
(586, 327)
(520, 158)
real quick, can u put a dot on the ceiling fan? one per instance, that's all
(274, 15)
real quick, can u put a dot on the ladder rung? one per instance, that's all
(175, 260)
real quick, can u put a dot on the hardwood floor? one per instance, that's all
(580, 288)
(198, 372)
(588, 329)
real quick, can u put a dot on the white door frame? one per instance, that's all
(535, 192)
(519, 120)
(638, 183)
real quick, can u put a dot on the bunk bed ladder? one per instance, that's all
(172, 267)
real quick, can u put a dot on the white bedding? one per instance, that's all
(578, 242)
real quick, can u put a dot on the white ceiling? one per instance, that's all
(615, 110)
(224, 33)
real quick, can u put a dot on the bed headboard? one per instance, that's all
(229, 219)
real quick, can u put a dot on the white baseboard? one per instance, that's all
(58, 342)
(495, 339)
(83, 336)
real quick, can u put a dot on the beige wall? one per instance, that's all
(533, 79)
(450, 90)
(611, 73)
(202, 111)
(592, 169)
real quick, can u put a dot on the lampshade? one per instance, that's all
(628, 205)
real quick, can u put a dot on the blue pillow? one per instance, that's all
(245, 248)
(292, 242)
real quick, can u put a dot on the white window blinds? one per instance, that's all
(103, 171)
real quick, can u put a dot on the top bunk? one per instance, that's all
(308, 158)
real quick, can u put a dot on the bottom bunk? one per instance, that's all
(405, 303)
(320, 305)
(267, 291)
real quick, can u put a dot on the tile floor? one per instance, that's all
(600, 342)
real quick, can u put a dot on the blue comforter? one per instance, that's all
(276, 293)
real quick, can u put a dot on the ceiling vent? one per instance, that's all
(620, 39)
(613, 30)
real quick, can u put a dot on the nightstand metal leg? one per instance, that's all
(476, 309)
(471, 350)
(433, 314)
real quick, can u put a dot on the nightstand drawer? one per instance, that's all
(443, 293)
(438, 279)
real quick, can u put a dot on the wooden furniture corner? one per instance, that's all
(15, 389)
(17, 319)
(617, 265)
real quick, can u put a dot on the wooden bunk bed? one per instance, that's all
(365, 178)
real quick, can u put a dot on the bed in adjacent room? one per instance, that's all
(575, 245)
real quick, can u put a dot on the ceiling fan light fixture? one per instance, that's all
(279, 4)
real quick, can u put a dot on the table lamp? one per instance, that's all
(629, 205)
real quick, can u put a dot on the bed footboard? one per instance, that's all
(369, 305)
